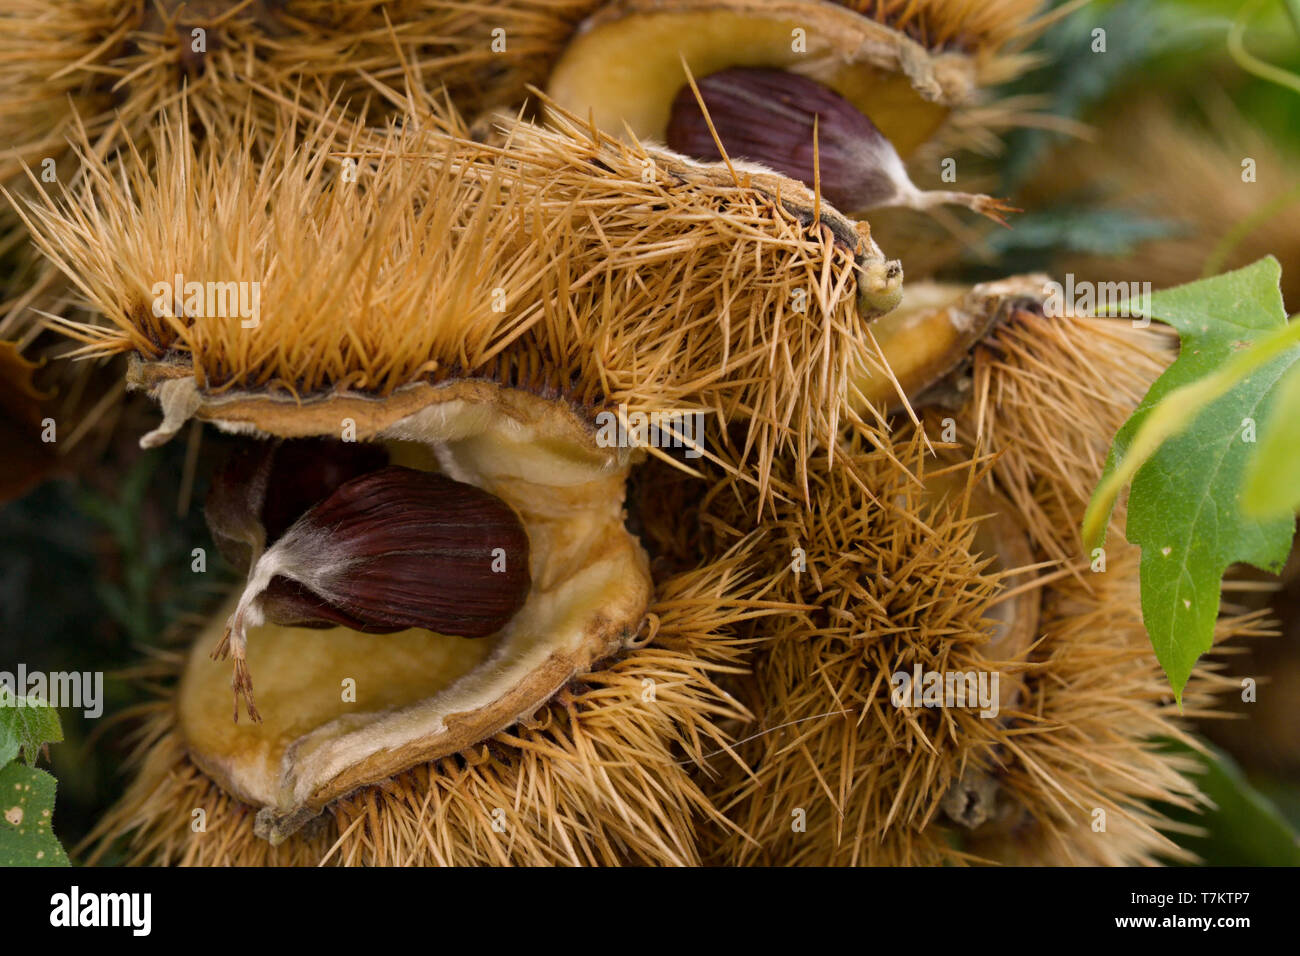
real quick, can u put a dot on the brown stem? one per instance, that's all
(234, 643)
(994, 209)
(243, 685)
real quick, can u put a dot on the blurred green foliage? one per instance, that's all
(94, 569)
(1243, 827)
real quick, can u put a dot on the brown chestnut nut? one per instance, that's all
(392, 549)
(767, 116)
(263, 487)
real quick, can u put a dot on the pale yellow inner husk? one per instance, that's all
(931, 333)
(419, 695)
(626, 69)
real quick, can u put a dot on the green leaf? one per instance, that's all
(26, 725)
(27, 818)
(1243, 828)
(1273, 475)
(1185, 509)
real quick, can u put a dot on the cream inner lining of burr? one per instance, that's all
(343, 709)
(627, 68)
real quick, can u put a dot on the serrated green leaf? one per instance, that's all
(26, 725)
(27, 818)
(1185, 509)
(1273, 475)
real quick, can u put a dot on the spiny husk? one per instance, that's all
(892, 584)
(43, 46)
(106, 72)
(670, 291)
(117, 66)
(971, 25)
(601, 775)
(924, 73)
(30, 280)
(291, 224)
(895, 582)
(1048, 394)
(694, 276)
